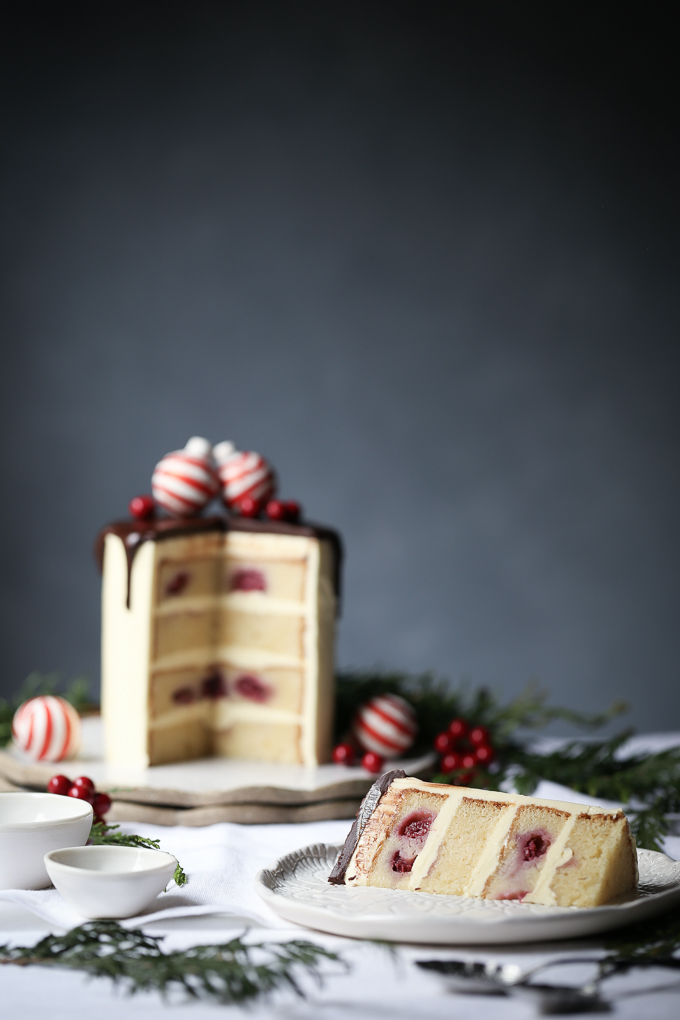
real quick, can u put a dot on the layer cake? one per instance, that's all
(428, 837)
(218, 638)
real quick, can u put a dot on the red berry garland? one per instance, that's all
(464, 749)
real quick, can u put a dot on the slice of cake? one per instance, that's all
(450, 840)
(218, 638)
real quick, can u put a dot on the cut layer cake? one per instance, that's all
(428, 837)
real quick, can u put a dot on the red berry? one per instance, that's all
(142, 507)
(484, 754)
(343, 754)
(442, 743)
(458, 728)
(81, 793)
(451, 762)
(469, 761)
(465, 778)
(479, 735)
(283, 510)
(101, 803)
(293, 510)
(85, 782)
(372, 762)
(60, 785)
(248, 507)
(275, 510)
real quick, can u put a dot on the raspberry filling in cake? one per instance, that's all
(447, 840)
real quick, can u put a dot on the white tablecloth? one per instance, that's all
(222, 861)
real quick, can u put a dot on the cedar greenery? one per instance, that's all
(647, 785)
(232, 972)
(102, 834)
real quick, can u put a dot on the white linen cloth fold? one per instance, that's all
(221, 862)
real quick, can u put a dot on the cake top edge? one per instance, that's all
(132, 532)
(571, 807)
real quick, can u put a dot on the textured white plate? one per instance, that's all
(296, 888)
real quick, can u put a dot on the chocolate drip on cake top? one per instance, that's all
(368, 806)
(133, 533)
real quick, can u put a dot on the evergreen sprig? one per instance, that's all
(102, 834)
(232, 972)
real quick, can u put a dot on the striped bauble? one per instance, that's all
(47, 728)
(386, 724)
(185, 481)
(243, 476)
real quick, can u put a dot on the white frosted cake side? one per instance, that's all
(218, 642)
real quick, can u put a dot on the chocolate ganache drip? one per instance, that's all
(133, 533)
(368, 806)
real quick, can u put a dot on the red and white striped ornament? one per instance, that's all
(184, 481)
(47, 728)
(243, 476)
(386, 725)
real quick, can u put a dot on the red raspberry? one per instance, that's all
(343, 754)
(60, 785)
(458, 728)
(442, 743)
(484, 754)
(479, 735)
(101, 803)
(372, 762)
(451, 762)
(142, 507)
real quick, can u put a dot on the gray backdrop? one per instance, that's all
(426, 266)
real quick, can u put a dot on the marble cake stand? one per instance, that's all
(209, 790)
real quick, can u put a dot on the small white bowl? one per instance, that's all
(32, 824)
(109, 881)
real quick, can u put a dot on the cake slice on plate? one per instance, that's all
(427, 837)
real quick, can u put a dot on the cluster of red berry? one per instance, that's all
(81, 788)
(464, 749)
(144, 508)
(346, 754)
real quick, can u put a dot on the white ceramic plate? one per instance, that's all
(296, 888)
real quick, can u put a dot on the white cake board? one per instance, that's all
(208, 782)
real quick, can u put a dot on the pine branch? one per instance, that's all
(232, 972)
(102, 834)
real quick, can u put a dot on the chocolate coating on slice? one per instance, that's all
(133, 533)
(368, 806)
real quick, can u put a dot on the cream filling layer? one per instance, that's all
(428, 855)
(251, 602)
(488, 859)
(558, 854)
(222, 714)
